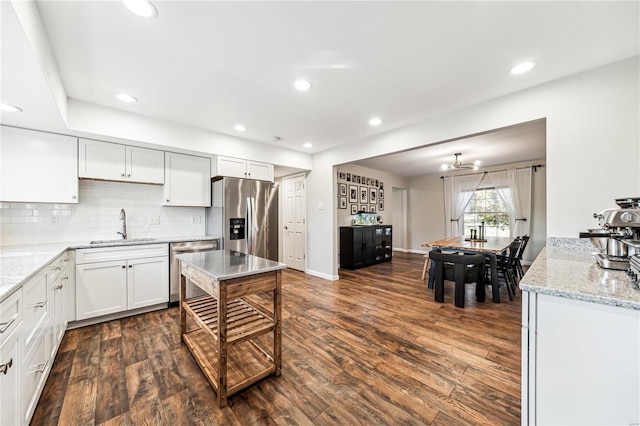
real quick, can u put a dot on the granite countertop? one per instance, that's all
(19, 263)
(576, 275)
(227, 264)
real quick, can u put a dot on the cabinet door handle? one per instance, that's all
(7, 365)
(65, 260)
(41, 367)
(73, 197)
(40, 304)
(5, 325)
(129, 175)
(58, 287)
(123, 266)
(57, 268)
(130, 266)
(122, 174)
(167, 201)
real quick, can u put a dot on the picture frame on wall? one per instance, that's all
(353, 193)
(373, 195)
(377, 183)
(348, 177)
(381, 185)
(342, 175)
(372, 209)
(368, 181)
(364, 209)
(354, 208)
(343, 203)
(357, 179)
(342, 190)
(380, 205)
(381, 194)
(364, 195)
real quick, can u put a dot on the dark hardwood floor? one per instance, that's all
(371, 348)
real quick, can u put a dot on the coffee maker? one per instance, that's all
(618, 237)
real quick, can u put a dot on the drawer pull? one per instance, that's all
(65, 260)
(40, 304)
(57, 268)
(58, 287)
(41, 367)
(5, 325)
(7, 365)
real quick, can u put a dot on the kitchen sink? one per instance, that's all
(120, 240)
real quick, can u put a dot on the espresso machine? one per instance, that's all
(618, 238)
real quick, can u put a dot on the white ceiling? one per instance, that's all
(513, 144)
(213, 64)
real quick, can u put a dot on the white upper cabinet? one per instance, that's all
(187, 180)
(38, 166)
(111, 161)
(236, 167)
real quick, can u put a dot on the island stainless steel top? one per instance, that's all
(222, 265)
(576, 275)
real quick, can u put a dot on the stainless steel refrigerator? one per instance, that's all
(244, 213)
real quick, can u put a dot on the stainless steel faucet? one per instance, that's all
(123, 218)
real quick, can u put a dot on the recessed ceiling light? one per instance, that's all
(308, 145)
(302, 85)
(126, 98)
(240, 128)
(10, 108)
(375, 121)
(143, 8)
(523, 67)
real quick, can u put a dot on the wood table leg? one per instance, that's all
(277, 332)
(222, 346)
(183, 312)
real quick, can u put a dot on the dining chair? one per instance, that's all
(518, 262)
(425, 268)
(460, 268)
(507, 267)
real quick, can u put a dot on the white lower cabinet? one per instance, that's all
(35, 369)
(32, 323)
(139, 278)
(10, 360)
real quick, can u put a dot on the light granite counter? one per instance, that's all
(222, 265)
(19, 263)
(576, 275)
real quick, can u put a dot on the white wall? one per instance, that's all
(390, 181)
(593, 149)
(96, 217)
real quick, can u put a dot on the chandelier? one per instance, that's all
(459, 165)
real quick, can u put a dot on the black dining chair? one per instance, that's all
(507, 267)
(518, 261)
(460, 268)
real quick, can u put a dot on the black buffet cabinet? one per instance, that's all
(364, 245)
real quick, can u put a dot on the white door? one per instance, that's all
(295, 227)
(145, 165)
(187, 181)
(101, 289)
(147, 281)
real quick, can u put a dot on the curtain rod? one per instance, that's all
(534, 167)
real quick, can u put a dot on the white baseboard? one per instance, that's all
(117, 315)
(321, 275)
(417, 251)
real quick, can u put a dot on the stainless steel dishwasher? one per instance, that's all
(174, 266)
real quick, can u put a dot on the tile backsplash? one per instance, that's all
(96, 217)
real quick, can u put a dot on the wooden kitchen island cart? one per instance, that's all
(234, 332)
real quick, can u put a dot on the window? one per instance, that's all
(486, 206)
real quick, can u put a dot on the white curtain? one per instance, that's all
(514, 189)
(458, 191)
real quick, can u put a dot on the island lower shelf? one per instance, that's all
(247, 362)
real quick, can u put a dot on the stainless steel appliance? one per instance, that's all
(244, 213)
(618, 238)
(174, 267)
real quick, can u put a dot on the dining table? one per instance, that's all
(489, 246)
